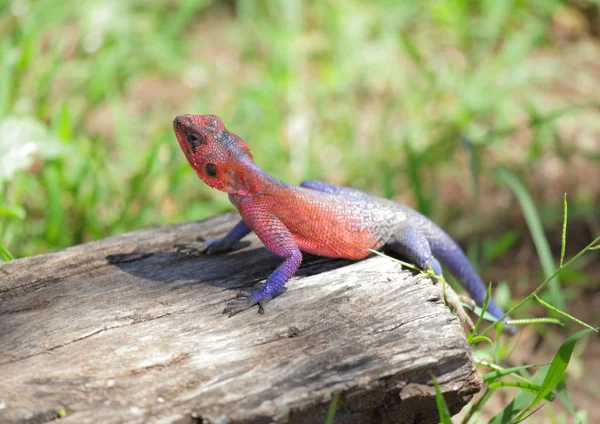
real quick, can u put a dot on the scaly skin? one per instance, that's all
(318, 218)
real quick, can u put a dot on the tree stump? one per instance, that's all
(130, 329)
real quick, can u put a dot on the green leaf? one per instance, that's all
(520, 402)
(556, 371)
(477, 311)
(563, 395)
(477, 339)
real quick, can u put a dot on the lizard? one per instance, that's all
(317, 217)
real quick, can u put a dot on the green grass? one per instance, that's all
(416, 101)
(374, 95)
(548, 382)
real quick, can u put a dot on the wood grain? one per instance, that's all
(130, 329)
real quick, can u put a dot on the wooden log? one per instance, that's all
(130, 329)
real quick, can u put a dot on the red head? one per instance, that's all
(218, 156)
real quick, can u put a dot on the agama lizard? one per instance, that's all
(317, 217)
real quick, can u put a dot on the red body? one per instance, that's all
(319, 223)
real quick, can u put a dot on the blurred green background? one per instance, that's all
(438, 104)
(382, 96)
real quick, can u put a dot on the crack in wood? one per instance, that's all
(93, 333)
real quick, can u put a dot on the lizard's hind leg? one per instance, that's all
(413, 245)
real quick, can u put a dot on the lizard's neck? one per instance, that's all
(253, 180)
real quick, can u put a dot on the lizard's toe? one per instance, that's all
(242, 302)
(245, 299)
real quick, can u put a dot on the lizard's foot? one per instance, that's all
(244, 300)
(212, 247)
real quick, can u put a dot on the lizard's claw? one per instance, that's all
(238, 305)
(243, 300)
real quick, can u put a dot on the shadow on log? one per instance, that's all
(130, 329)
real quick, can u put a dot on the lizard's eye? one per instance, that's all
(194, 140)
(211, 169)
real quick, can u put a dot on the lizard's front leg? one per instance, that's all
(278, 239)
(226, 242)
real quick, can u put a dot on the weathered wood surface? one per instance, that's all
(129, 329)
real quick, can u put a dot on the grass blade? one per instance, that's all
(486, 302)
(530, 387)
(562, 313)
(537, 233)
(556, 371)
(55, 212)
(5, 254)
(591, 246)
(442, 407)
(520, 401)
(332, 408)
(531, 321)
(563, 239)
(414, 161)
(6, 82)
(478, 405)
(502, 372)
